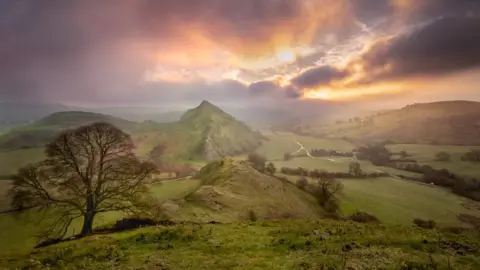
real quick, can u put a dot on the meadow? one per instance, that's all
(392, 200)
(425, 155)
(16, 234)
(286, 244)
(11, 161)
(279, 143)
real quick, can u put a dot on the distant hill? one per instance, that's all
(449, 122)
(230, 189)
(203, 133)
(27, 112)
(216, 134)
(44, 130)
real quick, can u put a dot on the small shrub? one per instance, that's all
(302, 183)
(133, 223)
(363, 217)
(442, 156)
(426, 224)
(331, 206)
(252, 216)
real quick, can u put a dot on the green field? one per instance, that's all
(280, 143)
(338, 164)
(396, 201)
(16, 234)
(11, 161)
(425, 155)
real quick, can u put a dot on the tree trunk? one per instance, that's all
(88, 217)
(87, 223)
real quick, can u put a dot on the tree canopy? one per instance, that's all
(87, 171)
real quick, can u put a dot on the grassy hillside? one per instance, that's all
(216, 134)
(452, 122)
(44, 130)
(230, 190)
(286, 244)
(17, 235)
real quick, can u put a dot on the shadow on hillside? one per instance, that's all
(125, 224)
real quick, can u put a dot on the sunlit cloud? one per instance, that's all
(306, 49)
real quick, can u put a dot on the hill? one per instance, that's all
(203, 133)
(216, 134)
(44, 130)
(278, 244)
(231, 190)
(449, 122)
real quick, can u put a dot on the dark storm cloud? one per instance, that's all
(91, 50)
(319, 76)
(71, 50)
(262, 88)
(446, 45)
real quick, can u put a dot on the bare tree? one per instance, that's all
(89, 170)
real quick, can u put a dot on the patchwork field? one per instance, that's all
(280, 143)
(425, 155)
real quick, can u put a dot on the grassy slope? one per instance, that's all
(230, 189)
(454, 122)
(44, 130)
(16, 235)
(425, 155)
(10, 162)
(396, 201)
(299, 244)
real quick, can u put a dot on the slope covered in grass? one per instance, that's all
(44, 130)
(449, 122)
(231, 190)
(285, 244)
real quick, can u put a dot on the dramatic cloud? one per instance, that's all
(446, 45)
(319, 76)
(149, 51)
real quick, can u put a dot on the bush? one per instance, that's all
(363, 217)
(426, 224)
(302, 183)
(442, 156)
(331, 206)
(251, 215)
(257, 161)
(133, 223)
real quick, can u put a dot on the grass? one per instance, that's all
(286, 244)
(11, 161)
(396, 201)
(16, 235)
(280, 143)
(425, 155)
(337, 164)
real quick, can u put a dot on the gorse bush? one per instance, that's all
(302, 183)
(363, 217)
(426, 224)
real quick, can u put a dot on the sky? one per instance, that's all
(154, 52)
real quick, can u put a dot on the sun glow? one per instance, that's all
(317, 94)
(286, 56)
